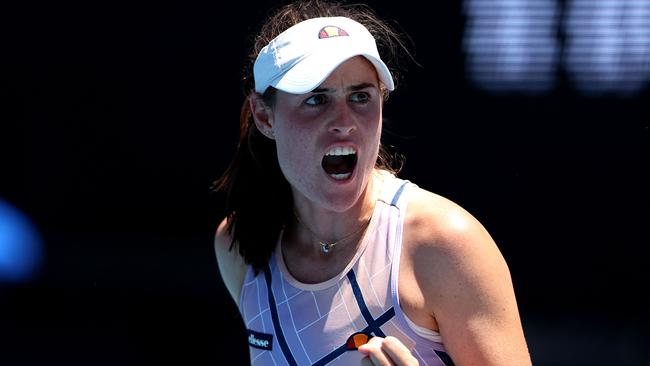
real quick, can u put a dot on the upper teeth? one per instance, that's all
(341, 151)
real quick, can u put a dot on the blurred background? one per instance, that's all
(116, 118)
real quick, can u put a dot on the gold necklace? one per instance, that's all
(327, 246)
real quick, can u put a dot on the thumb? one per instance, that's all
(364, 349)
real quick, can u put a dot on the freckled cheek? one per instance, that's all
(373, 124)
(295, 151)
(371, 119)
(373, 139)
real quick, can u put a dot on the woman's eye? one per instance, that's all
(360, 97)
(316, 99)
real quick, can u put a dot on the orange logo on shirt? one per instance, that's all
(357, 340)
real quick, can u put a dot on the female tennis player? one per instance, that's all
(331, 258)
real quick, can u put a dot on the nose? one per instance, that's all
(343, 120)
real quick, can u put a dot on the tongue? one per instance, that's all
(340, 164)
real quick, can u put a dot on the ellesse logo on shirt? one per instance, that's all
(260, 340)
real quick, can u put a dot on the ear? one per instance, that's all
(262, 115)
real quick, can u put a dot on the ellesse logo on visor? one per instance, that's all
(332, 31)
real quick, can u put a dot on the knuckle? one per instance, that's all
(392, 343)
(412, 361)
(391, 340)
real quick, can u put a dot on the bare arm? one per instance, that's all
(468, 289)
(231, 265)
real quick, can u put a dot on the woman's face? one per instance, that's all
(328, 139)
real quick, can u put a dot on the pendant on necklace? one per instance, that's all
(325, 247)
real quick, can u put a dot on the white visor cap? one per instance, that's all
(303, 56)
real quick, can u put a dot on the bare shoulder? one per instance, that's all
(436, 222)
(444, 241)
(464, 281)
(231, 265)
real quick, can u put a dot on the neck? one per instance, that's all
(315, 224)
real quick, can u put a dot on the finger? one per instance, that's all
(380, 358)
(373, 343)
(398, 352)
(375, 353)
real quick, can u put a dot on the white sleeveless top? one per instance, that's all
(293, 323)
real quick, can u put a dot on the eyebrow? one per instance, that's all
(350, 88)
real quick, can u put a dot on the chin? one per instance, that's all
(331, 194)
(342, 198)
(339, 205)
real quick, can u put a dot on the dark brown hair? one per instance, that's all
(259, 201)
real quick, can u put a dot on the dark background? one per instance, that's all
(116, 118)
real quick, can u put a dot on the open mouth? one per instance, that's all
(339, 162)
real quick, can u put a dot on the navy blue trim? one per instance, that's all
(398, 194)
(362, 304)
(373, 327)
(384, 318)
(376, 323)
(276, 320)
(332, 355)
(444, 357)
